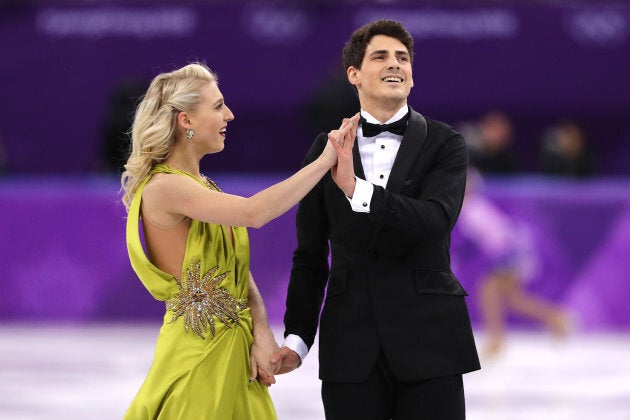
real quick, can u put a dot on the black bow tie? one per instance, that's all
(371, 130)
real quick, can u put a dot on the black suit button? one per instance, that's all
(382, 146)
(381, 176)
(364, 204)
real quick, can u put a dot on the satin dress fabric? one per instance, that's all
(200, 369)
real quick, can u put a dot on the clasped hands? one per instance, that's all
(268, 360)
(342, 140)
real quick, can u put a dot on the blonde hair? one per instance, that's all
(155, 123)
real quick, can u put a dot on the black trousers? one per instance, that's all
(382, 397)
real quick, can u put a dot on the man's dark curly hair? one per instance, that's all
(354, 50)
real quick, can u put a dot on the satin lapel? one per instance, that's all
(358, 166)
(410, 146)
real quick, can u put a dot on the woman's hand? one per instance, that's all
(343, 141)
(263, 347)
(338, 140)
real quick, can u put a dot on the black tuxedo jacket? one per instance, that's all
(389, 287)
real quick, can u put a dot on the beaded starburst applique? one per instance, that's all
(200, 300)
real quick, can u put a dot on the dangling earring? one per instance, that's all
(190, 133)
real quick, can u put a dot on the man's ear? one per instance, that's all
(353, 75)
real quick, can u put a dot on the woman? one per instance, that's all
(215, 339)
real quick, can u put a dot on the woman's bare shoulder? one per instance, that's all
(161, 185)
(164, 191)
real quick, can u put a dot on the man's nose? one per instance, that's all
(392, 62)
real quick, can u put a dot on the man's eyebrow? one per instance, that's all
(397, 52)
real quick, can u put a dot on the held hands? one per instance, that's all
(268, 360)
(340, 140)
(285, 360)
(343, 142)
(262, 350)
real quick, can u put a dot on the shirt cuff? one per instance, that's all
(295, 343)
(360, 201)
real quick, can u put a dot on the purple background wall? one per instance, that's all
(62, 255)
(537, 61)
(64, 259)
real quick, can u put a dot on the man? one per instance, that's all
(395, 335)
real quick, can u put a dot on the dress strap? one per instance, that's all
(205, 181)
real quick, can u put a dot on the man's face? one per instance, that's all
(385, 76)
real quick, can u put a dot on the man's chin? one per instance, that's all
(395, 97)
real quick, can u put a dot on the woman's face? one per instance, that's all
(209, 120)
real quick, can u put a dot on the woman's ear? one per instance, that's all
(183, 121)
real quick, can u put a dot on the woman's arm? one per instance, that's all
(174, 195)
(264, 344)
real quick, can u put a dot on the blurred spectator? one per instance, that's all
(511, 260)
(332, 100)
(564, 151)
(492, 148)
(120, 112)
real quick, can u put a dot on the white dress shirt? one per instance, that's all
(377, 157)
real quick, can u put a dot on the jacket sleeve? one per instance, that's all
(431, 212)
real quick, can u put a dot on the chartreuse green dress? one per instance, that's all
(201, 367)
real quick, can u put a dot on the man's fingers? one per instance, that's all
(278, 355)
(265, 378)
(341, 135)
(343, 123)
(276, 361)
(351, 134)
(348, 129)
(274, 366)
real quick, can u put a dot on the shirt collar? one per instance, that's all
(398, 115)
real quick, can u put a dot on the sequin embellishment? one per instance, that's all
(210, 183)
(200, 299)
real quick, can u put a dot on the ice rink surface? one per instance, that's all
(93, 371)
